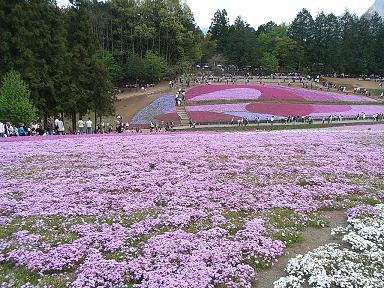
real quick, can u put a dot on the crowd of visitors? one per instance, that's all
(305, 119)
(161, 126)
(57, 127)
(7, 129)
(179, 97)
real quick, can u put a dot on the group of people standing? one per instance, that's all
(179, 97)
(162, 126)
(34, 128)
(56, 126)
(59, 128)
(88, 125)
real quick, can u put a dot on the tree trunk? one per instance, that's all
(121, 44)
(74, 126)
(133, 42)
(112, 35)
(95, 120)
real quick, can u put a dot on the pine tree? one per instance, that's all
(15, 103)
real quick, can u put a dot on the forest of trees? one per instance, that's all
(325, 44)
(72, 58)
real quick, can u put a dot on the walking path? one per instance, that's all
(313, 238)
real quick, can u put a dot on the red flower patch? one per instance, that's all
(281, 109)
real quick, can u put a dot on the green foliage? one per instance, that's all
(55, 49)
(241, 45)
(150, 69)
(325, 44)
(115, 71)
(269, 62)
(154, 67)
(209, 48)
(15, 104)
(219, 29)
(276, 42)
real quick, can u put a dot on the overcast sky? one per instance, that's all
(259, 12)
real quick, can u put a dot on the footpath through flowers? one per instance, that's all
(358, 263)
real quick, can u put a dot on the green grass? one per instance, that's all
(199, 225)
(236, 220)
(20, 276)
(376, 92)
(288, 226)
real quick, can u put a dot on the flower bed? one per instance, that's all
(266, 110)
(171, 210)
(267, 92)
(230, 94)
(160, 106)
(359, 264)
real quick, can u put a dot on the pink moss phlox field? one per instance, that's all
(225, 112)
(172, 210)
(267, 92)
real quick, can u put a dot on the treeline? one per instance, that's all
(148, 39)
(72, 57)
(325, 44)
(55, 52)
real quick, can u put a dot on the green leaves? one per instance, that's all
(15, 104)
(150, 69)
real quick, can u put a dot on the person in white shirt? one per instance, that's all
(81, 126)
(57, 125)
(89, 126)
(2, 129)
(34, 127)
(60, 126)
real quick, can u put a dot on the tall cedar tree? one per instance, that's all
(32, 38)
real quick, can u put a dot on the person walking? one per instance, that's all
(89, 126)
(80, 124)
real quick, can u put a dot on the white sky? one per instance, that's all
(259, 12)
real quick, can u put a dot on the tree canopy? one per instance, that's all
(15, 102)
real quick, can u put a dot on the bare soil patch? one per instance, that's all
(313, 238)
(131, 101)
(354, 83)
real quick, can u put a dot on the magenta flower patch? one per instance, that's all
(268, 92)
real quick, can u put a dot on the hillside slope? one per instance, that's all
(378, 7)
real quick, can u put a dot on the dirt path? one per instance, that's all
(126, 93)
(131, 101)
(354, 83)
(313, 239)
